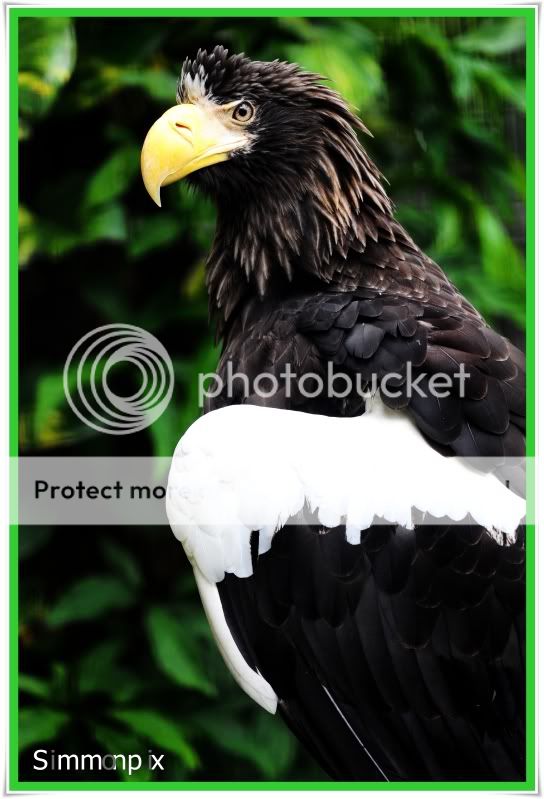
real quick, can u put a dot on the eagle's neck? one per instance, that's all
(298, 227)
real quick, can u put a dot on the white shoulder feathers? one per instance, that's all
(245, 468)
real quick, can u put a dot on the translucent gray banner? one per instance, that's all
(136, 491)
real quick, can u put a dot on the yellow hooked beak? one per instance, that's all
(186, 138)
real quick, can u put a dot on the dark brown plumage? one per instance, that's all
(305, 228)
(418, 638)
(402, 657)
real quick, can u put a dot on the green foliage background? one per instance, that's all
(115, 653)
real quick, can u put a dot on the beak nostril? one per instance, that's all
(181, 125)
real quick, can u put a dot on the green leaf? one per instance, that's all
(52, 419)
(103, 223)
(29, 241)
(151, 233)
(33, 685)
(177, 654)
(156, 82)
(55, 240)
(344, 55)
(107, 79)
(50, 397)
(89, 599)
(160, 731)
(96, 664)
(47, 54)
(114, 176)
(39, 724)
(501, 259)
(267, 743)
(99, 672)
(449, 230)
(507, 86)
(494, 37)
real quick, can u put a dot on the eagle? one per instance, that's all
(357, 547)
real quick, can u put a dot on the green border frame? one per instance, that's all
(530, 16)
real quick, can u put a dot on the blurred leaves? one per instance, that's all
(148, 234)
(269, 746)
(39, 724)
(176, 652)
(344, 53)
(89, 599)
(33, 685)
(113, 740)
(114, 176)
(160, 731)
(494, 37)
(106, 79)
(116, 654)
(47, 55)
(96, 666)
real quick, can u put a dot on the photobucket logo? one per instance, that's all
(333, 385)
(87, 379)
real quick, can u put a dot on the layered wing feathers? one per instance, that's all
(416, 635)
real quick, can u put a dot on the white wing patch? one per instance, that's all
(245, 468)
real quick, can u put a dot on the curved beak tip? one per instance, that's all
(155, 195)
(151, 172)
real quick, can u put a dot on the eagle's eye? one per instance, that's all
(243, 112)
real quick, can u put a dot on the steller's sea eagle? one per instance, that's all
(358, 579)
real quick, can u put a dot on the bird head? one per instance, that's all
(243, 126)
(279, 154)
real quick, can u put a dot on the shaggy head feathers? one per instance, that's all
(231, 77)
(301, 196)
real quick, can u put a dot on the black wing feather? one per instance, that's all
(398, 658)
